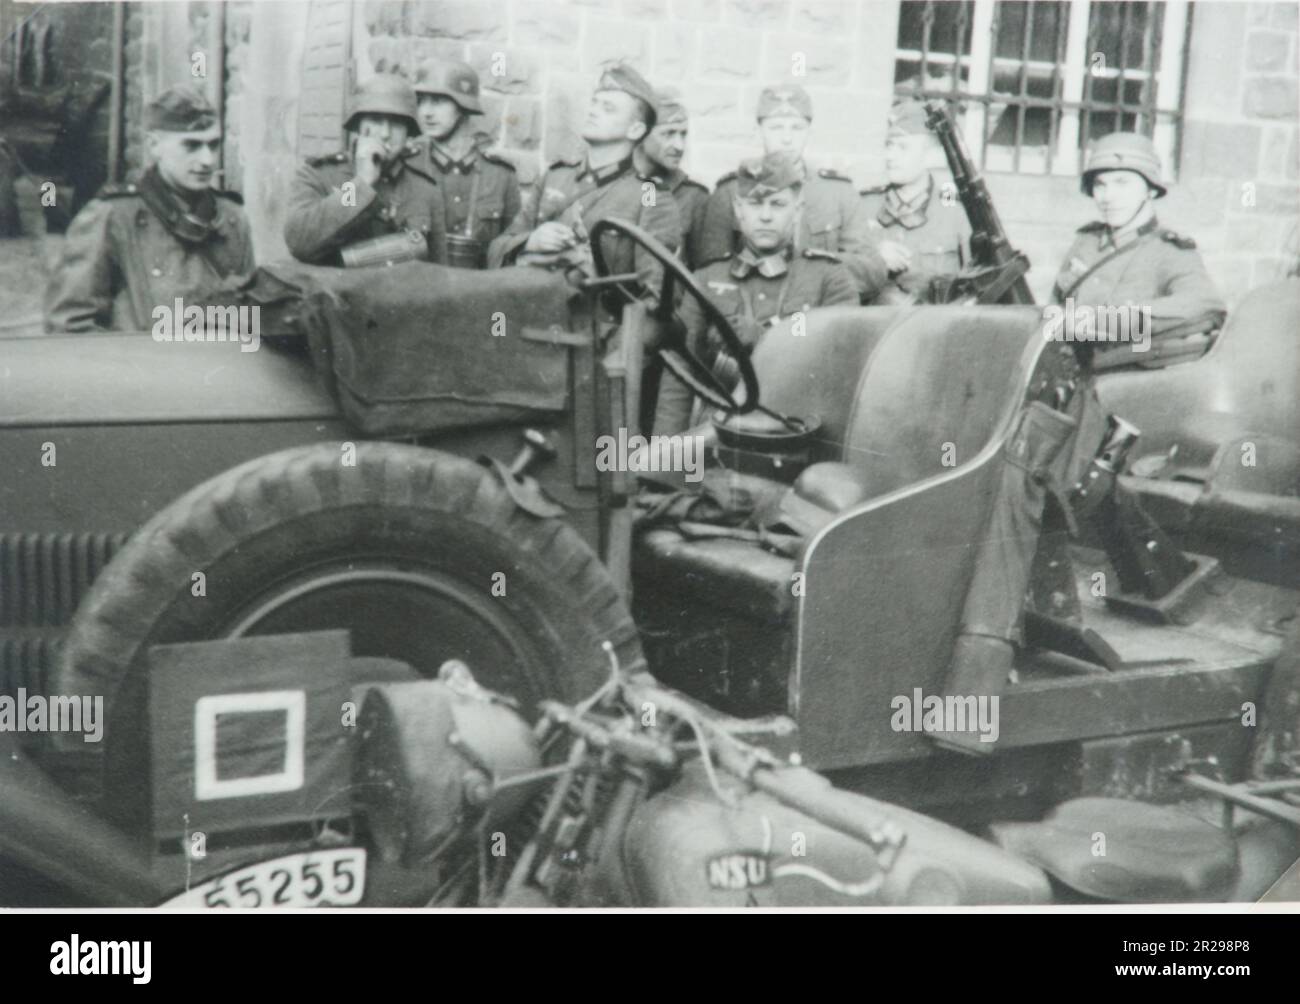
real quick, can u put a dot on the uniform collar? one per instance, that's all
(192, 220)
(445, 163)
(1108, 236)
(604, 175)
(672, 178)
(769, 266)
(909, 214)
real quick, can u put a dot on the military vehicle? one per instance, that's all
(374, 623)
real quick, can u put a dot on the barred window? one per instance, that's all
(1041, 80)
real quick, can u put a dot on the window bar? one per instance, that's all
(1094, 29)
(959, 47)
(927, 25)
(983, 39)
(1026, 50)
(1146, 122)
(1054, 115)
(1121, 85)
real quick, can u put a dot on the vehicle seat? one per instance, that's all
(1151, 853)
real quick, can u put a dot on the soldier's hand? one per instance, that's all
(371, 153)
(898, 257)
(551, 236)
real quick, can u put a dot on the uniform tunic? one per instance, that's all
(692, 199)
(1157, 268)
(574, 194)
(321, 223)
(938, 235)
(834, 219)
(121, 260)
(480, 191)
(753, 292)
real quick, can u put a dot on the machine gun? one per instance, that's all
(997, 274)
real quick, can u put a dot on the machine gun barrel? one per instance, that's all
(1000, 268)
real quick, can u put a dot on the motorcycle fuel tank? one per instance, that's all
(686, 847)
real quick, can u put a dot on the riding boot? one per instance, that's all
(992, 620)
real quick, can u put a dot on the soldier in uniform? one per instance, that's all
(1127, 258)
(480, 190)
(660, 156)
(576, 194)
(1124, 259)
(923, 236)
(377, 189)
(767, 280)
(166, 234)
(834, 218)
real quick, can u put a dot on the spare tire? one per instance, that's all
(423, 556)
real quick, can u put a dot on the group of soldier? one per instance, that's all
(775, 237)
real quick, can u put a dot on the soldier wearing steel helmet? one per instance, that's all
(554, 231)
(764, 282)
(923, 236)
(834, 218)
(479, 189)
(1127, 258)
(660, 155)
(164, 234)
(376, 189)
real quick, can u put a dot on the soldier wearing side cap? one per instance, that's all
(764, 282)
(375, 202)
(660, 156)
(479, 189)
(165, 234)
(553, 232)
(923, 237)
(834, 218)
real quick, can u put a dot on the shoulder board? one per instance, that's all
(329, 158)
(234, 197)
(117, 190)
(830, 175)
(497, 159)
(1178, 240)
(729, 176)
(878, 190)
(692, 183)
(1096, 226)
(818, 253)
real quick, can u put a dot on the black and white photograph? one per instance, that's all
(650, 455)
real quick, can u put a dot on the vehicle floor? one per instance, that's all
(1234, 622)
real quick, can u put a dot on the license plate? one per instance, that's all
(315, 878)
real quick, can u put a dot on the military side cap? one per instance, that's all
(788, 99)
(763, 176)
(384, 94)
(668, 104)
(180, 109)
(622, 77)
(452, 79)
(907, 118)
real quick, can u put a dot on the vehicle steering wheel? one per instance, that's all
(677, 356)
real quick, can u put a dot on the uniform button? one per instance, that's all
(455, 198)
(762, 296)
(155, 272)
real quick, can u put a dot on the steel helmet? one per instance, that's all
(1124, 151)
(384, 94)
(452, 79)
